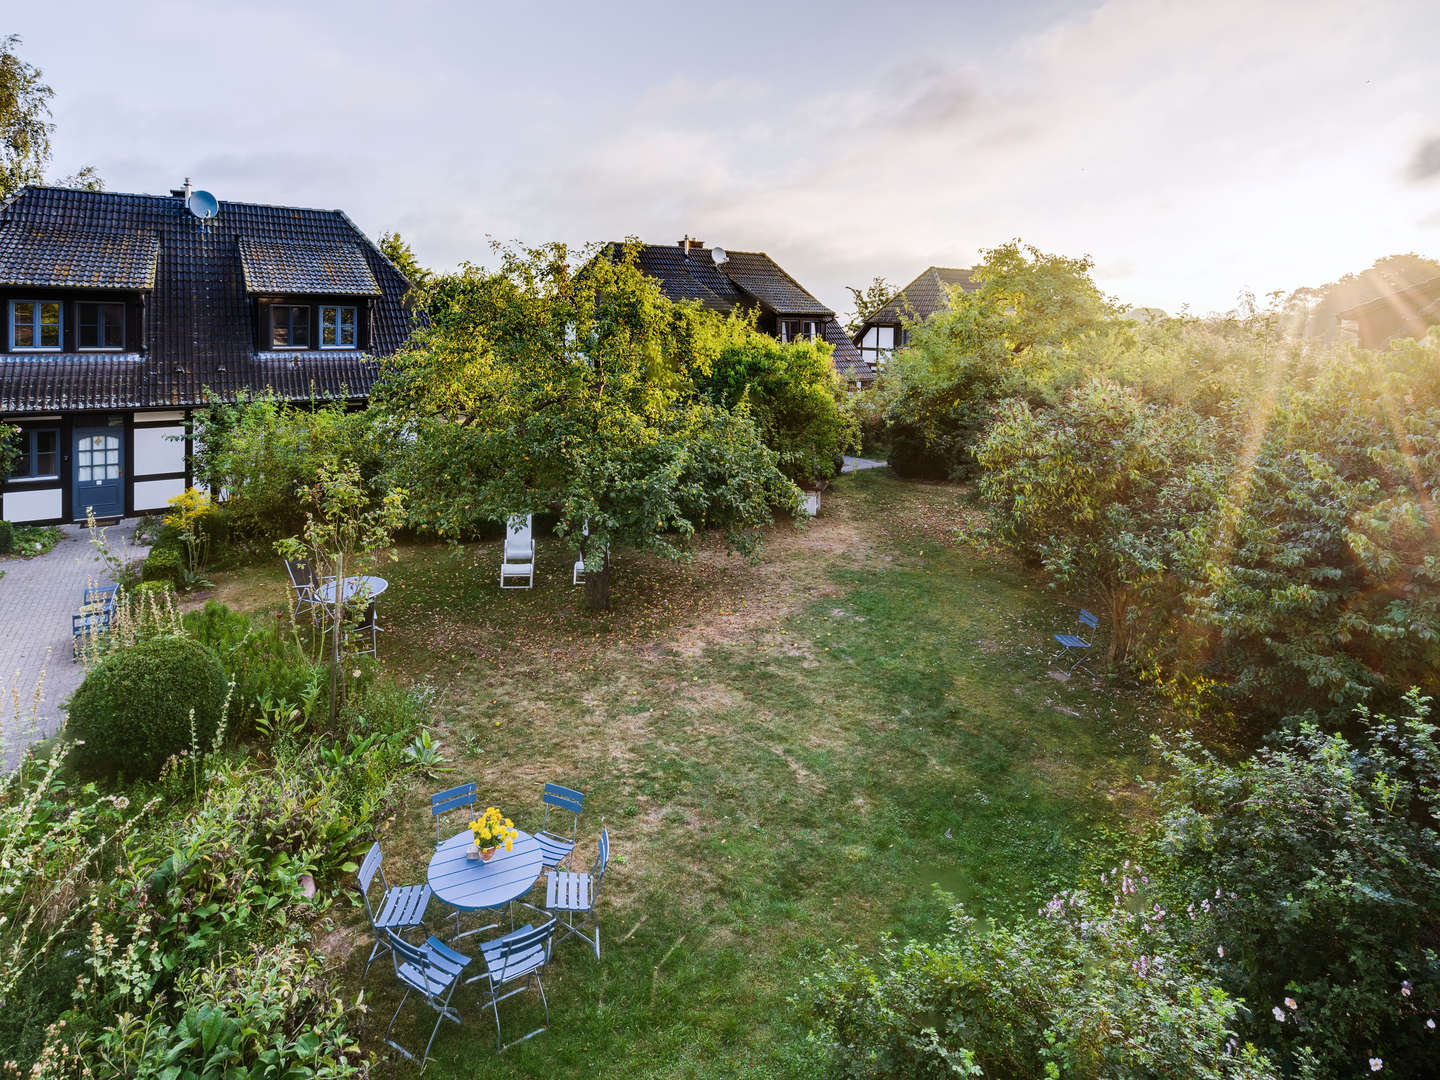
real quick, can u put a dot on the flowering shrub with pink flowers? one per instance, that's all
(1321, 854)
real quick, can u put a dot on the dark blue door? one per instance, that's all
(99, 471)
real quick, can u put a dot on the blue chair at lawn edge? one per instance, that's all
(455, 798)
(1075, 643)
(433, 971)
(555, 847)
(575, 894)
(514, 961)
(401, 908)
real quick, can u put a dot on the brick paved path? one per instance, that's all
(37, 597)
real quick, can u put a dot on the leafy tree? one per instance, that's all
(25, 126)
(394, 248)
(1032, 324)
(1321, 856)
(868, 301)
(793, 393)
(1086, 989)
(534, 389)
(1094, 488)
(1314, 580)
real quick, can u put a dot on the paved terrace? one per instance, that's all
(37, 598)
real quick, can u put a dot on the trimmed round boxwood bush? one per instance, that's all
(162, 564)
(7, 538)
(133, 709)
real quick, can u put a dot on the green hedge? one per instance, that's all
(7, 538)
(163, 564)
(133, 709)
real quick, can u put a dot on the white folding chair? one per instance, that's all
(517, 564)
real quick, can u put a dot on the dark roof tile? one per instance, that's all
(277, 266)
(923, 297)
(59, 256)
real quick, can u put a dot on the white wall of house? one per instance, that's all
(151, 494)
(41, 505)
(158, 450)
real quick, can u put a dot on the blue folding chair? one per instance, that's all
(575, 894)
(400, 908)
(455, 798)
(1074, 643)
(513, 962)
(555, 847)
(433, 971)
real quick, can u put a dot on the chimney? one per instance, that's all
(689, 242)
(182, 193)
(187, 189)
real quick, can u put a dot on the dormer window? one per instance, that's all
(35, 325)
(289, 326)
(101, 326)
(798, 330)
(338, 327)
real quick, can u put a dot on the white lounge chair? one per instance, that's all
(517, 565)
(579, 575)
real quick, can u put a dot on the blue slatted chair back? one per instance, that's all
(456, 798)
(602, 859)
(514, 948)
(1089, 619)
(365, 876)
(563, 798)
(406, 953)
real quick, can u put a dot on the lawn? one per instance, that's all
(789, 757)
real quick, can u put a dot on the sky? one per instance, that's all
(1195, 150)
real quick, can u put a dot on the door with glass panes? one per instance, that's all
(99, 471)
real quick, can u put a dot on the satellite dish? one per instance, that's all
(718, 254)
(203, 205)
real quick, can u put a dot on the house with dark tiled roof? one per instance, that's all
(885, 331)
(1404, 313)
(122, 312)
(723, 281)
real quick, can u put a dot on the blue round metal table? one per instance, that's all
(473, 886)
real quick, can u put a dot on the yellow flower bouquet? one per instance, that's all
(493, 830)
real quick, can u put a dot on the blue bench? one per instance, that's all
(97, 609)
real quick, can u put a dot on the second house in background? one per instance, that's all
(724, 280)
(884, 331)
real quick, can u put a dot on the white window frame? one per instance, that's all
(872, 350)
(100, 325)
(335, 310)
(810, 334)
(35, 324)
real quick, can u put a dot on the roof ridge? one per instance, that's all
(167, 198)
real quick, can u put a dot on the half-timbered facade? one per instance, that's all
(886, 330)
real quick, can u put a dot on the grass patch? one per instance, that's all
(789, 757)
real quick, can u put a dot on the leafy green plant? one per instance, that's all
(163, 564)
(424, 755)
(135, 707)
(7, 538)
(1320, 853)
(1089, 988)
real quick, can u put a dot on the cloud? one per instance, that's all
(1425, 162)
